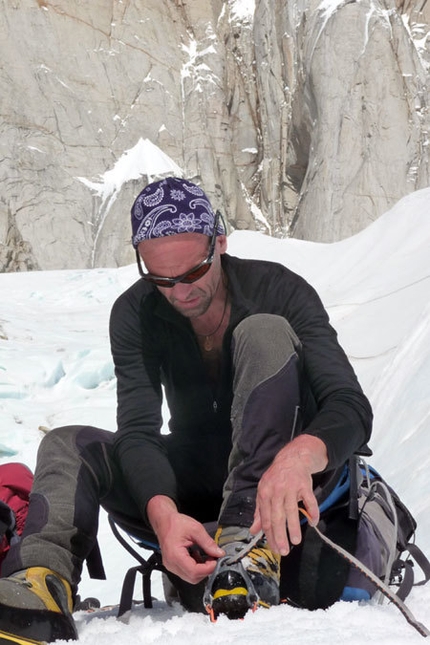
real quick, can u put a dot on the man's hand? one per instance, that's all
(176, 533)
(286, 483)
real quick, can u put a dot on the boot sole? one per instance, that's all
(34, 627)
(7, 639)
(231, 604)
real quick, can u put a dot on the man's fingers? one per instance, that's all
(273, 524)
(182, 542)
(293, 524)
(198, 571)
(256, 525)
(194, 571)
(311, 505)
(285, 517)
(186, 567)
(279, 518)
(208, 545)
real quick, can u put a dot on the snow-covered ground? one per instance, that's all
(56, 369)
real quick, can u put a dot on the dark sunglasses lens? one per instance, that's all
(192, 276)
(159, 282)
(197, 273)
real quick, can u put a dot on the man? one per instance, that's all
(265, 410)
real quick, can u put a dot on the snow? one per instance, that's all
(242, 9)
(144, 159)
(56, 369)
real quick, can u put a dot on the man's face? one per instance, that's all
(176, 254)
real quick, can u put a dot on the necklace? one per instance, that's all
(208, 342)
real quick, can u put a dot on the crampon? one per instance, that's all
(246, 578)
(229, 592)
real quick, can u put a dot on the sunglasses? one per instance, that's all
(188, 277)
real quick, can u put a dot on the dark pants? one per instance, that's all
(76, 473)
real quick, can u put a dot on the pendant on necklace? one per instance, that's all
(208, 343)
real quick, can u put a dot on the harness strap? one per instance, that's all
(95, 563)
(146, 567)
(126, 600)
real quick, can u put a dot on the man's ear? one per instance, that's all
(221, 243)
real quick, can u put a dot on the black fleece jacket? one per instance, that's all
(154, 346)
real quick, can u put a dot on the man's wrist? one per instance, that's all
(311, 451)
(159, 509)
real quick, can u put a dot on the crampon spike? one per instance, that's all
(211, 613)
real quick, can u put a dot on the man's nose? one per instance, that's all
(181, 290)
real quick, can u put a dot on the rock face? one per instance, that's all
(298, 118)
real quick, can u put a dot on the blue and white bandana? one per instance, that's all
(169, 207)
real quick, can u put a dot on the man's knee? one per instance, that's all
(73, 437)
(265, 343)
(267, 330)
(266, 380)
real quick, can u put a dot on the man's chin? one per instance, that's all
(191, 309)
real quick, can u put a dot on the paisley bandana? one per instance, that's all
(169, 207)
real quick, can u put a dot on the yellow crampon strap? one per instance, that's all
(381, 586)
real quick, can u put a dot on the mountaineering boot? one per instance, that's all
(35, 607)
(247, 577)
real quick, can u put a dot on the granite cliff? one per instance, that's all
(306, 118)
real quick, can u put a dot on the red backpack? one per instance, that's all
(15, 484)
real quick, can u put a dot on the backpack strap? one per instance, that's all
(403, 570)
(381, 586)
(7, 520)
(421, 560)
(355, 477)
